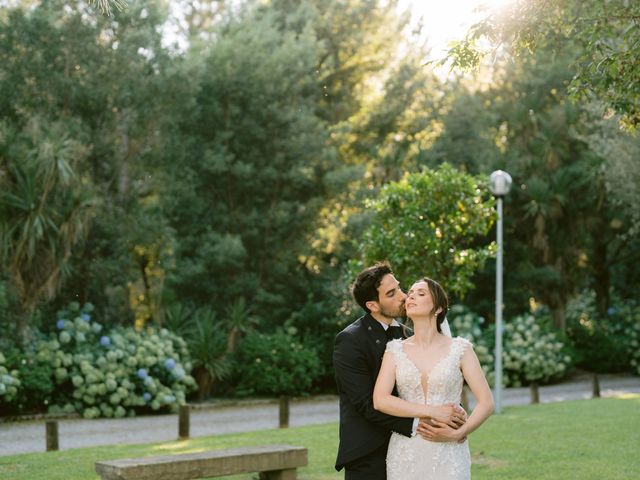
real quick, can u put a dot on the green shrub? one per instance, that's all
(601, 344)
(624, 324)
(207, 342)
(275, 364)
(36, 386)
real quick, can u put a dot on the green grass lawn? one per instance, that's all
(588, 439)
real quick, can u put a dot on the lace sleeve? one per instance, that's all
(395, 347)
(460, 346)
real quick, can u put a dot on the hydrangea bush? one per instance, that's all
(467, 324)
(112, 374)
(532, 352)
(9, 382)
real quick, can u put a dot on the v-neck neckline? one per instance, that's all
(427, 377)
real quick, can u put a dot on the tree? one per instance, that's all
(615, 224)
(566, 227)
(206, 342)
(247, 164)
(550, 211)
(357, 42)
(470, 135)
(106, 84)
(379, 102)
(45, 208)
(434, 224)
(605, 33)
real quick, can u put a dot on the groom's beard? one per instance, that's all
(399, 312)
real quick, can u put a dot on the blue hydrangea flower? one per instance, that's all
(146, 396)
(86, 317)
(169, 363)
(611, 311)
(142, 373)
(105, 341)
(169, 399)
(60, 324)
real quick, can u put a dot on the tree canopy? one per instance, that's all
(604, 33)
(431, 224)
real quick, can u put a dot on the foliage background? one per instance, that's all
(225, 182)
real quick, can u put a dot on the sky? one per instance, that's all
(443, 20)
(447, 20)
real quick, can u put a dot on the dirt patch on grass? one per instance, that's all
(487, 461)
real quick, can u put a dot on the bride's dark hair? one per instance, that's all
(440, 300)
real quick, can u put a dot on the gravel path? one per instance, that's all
(29, 436)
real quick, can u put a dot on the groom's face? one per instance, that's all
(390, 297)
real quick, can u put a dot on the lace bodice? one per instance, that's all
(415, 458)
(444, 381)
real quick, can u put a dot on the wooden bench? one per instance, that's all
(274, 462)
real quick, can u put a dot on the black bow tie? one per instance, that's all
(394, 332)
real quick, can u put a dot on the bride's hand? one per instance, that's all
(449, 414)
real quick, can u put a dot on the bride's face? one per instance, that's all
(419, 301)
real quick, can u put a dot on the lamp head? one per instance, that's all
(500, 183)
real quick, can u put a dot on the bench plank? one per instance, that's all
(272, 458)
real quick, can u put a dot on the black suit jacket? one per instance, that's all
(357, 357)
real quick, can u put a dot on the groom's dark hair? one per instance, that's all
(365, 288)
(440, 300)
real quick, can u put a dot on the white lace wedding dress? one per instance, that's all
(416, 458)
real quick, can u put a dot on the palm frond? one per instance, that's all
(105, 6)
(179, 319)
(207, 345)
(238, 316)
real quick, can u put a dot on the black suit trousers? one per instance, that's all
(370, 467)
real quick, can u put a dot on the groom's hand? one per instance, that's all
(436, 431)
(454, 422)
(461, 416)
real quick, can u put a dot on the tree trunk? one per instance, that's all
(232, 339)
(143, 262)
(23, 319)
(601, 276)
(205, 383)
(124, 174)
(558, 315)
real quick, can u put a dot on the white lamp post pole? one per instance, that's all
(498, 352)
(499, 186)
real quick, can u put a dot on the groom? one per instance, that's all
(357, 356)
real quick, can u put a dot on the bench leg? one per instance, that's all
(289, 474)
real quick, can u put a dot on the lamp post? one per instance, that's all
(499, 184)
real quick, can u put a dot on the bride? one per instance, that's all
(428, 369)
